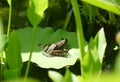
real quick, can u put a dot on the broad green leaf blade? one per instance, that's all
(55, 76)
(109, 5)
(50, 62)
(36, 10)
(13, 53)
(100, 41)
(46, 36)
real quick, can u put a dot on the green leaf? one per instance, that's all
(93, 50)
(70, 77)
(76, 51)
(50, 62)
(117, 64)
(91, 64)
(3, 41)
(55, 76)
(46, 36)
(81, 39)
(100, 41)
(109, 5)
(36, 10)
(3, 37)
(112, 18)
(105, 77)
(13, 53)
(11, 73)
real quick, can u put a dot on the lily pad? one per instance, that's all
(47, 36)
(50, 62)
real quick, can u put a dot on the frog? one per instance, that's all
(56, 49)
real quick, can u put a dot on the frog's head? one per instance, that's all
(62, 42)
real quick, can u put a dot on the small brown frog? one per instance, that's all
(56, 49)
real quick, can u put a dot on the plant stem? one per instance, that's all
(9, 20)
(90, 28)
(31, 50)
(79, 30)
(67, 20)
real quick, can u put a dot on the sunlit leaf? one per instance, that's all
(110, 5)
(93, 50)
(110, 77)
(100, 41)
(36, 10)
(50, 62)
(92, 62)
(80, 78)
(46, 36)
(70, 77)
(55, 76)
